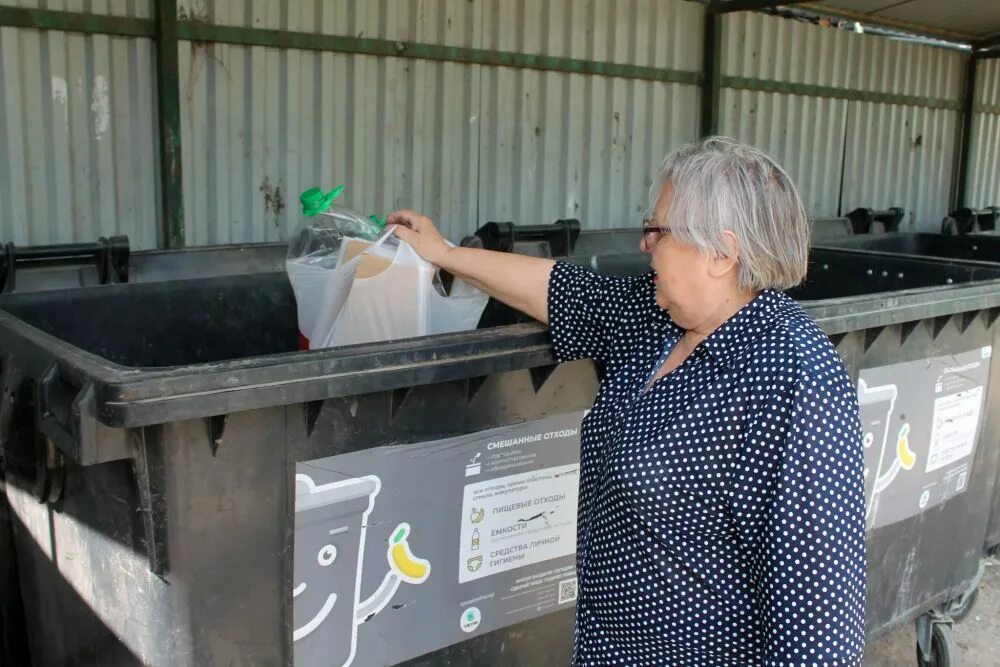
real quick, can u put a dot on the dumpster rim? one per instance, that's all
(136, 396)
(855, 244)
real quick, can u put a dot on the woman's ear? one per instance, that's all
(722, 264)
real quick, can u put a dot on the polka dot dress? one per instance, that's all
(721, 517)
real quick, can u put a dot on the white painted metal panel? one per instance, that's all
(463, 143)
(900, 156)
(889, 154)
(261, 125)
(893, 66)
(984, 172)
(563, 145)
(903, 155)
(78, 156)
(759, 46)
(133, 8)
(804, 134)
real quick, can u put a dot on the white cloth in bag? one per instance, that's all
(379, 294)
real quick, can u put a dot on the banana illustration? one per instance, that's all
(477, 515)
(907, 458)
(403, 566)
(410, 569)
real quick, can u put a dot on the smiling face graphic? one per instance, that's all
(324, 557)
(329, 541)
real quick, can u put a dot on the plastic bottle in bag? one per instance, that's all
(324, 225)
(315, 248)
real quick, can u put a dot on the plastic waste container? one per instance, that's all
(972, 248)
(188, 489)
(969, 247)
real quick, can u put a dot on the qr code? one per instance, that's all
(567, 590)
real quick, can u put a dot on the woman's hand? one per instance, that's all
(421, 234)
(519, 281)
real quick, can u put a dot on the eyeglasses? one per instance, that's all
(653, 232)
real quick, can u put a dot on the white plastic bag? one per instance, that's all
(375, 292)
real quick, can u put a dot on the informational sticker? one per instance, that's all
(400, 551)
(956, 421)
(920, 422)
(518, 520)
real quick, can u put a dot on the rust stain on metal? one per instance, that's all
(274, 199)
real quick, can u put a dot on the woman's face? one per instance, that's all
(688, 284)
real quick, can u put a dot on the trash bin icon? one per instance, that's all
(330, 528)
(876, 405)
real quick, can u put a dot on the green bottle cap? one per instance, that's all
(314, 201)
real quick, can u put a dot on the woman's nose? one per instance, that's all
(642, 244)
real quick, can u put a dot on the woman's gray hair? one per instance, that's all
(721, 184)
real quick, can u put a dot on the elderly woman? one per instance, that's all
(721, 517)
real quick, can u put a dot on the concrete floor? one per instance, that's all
(977, 636)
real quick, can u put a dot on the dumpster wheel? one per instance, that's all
(942, 647)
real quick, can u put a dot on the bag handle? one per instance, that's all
(372, 247)
(378, 243)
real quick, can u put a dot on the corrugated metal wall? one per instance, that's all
(845, 153)
(260, 125)
(805, 134)
(903, 155)
(984, 176)
(563, 145)
(464, 143)
(78, 156)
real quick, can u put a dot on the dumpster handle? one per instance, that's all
(67, 416)
(110, 256)
(46, 466)
(560, 236)
(969, 220)
(863, 219)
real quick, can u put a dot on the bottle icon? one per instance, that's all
(475, 539)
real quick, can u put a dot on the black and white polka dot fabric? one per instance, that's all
(721, 516)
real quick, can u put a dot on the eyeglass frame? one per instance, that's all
(649, 230)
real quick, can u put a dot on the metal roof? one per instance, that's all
(973, 22)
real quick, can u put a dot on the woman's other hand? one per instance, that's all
(419, 231)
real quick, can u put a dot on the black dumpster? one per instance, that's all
(971, 248)
(188, 489)
(974, 247)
